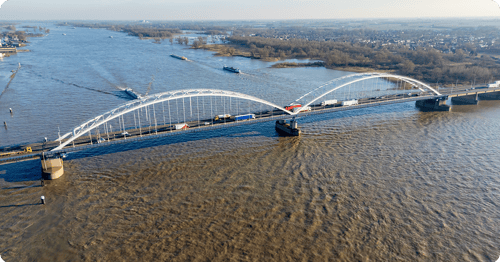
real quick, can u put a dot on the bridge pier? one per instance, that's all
(287, 129)
(52, 168)
(465, 100)
(490, 96)
(437, 104)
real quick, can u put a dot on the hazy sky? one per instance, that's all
(242, 9)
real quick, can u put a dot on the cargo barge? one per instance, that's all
(287, 129)
(179, 57)
(132, 94)
(232, 69)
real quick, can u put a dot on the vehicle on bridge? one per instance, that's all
(329, 102)
(123, 134)
(350, 102)
(243, 117)
(494, 84)
(292, 106)
(181, 126)
(305, 109)
(222, 117)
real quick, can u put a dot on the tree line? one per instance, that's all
(425, 64)
(139, 30)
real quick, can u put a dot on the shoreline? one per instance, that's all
(220, 47)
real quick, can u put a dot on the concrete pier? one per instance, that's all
(465, 100)
(287, 129)
(490, 96)
(52, 168)
(438, 104)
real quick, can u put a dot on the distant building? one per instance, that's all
(8, 50)
(15, 44)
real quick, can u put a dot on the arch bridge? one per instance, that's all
(175, 111)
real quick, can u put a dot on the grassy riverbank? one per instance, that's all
(427, 65)
(232, 50)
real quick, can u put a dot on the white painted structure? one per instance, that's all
(151, 100)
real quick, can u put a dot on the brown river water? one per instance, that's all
(372, 186)
(386, 183)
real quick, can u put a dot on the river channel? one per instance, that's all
(386, 183)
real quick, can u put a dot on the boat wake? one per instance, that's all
(14, 72)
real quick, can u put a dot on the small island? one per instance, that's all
(12, 39)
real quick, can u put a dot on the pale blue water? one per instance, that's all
(67, 79)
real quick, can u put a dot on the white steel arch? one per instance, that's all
(420, 85)
(151, 100)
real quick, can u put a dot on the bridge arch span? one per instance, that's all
(151, 100)
(365, 76)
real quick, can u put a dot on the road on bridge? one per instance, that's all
(133, 134)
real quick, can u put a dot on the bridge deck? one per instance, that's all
(87, 142)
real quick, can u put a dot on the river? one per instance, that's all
(386, 183)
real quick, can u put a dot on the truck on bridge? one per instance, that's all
(181, 126)
(305, 109)
(292, 106)
(234, 118)
(222, 117)
(350, 102)
(329, 102)
(494, 84)
(243, 117)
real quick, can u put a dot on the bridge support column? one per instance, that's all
(287, 129)
(52, 168)
(438, 104)
(490, 96)
(465, 100)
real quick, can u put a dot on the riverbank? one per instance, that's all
(226, 50)
(339, 68)
(13, 53)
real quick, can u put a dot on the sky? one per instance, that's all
(242, 9)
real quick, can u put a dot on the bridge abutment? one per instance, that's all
(437, 104)
(465, 100)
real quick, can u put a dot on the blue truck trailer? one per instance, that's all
(243, 117)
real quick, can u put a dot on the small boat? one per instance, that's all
(178, 57)
(64, 34)
(232, 69)
(110, 36)
(132, 94)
